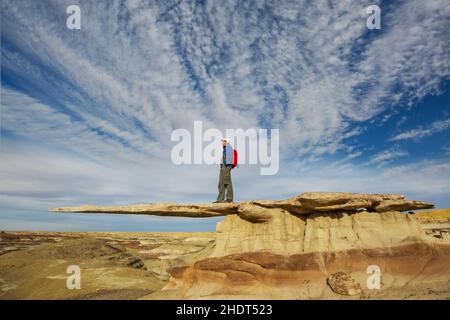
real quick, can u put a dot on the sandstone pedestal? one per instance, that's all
(288, 234)
(290, 249)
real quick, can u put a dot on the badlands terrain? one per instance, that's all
(312, 246)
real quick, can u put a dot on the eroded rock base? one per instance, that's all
(408, 271)
(288, 234)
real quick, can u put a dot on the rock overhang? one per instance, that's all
(261, 210)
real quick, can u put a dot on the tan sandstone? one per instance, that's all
(291, 234)
(305, 203)
(314, 245)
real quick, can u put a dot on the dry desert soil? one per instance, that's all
(33, 265)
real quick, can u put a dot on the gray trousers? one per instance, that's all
(225, 184)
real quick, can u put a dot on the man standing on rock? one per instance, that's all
(229, 160)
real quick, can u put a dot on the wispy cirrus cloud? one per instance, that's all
(312, 70)
(435, 127)
(387, 156)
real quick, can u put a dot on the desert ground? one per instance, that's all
(33, 265)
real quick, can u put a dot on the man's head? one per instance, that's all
(224, 141)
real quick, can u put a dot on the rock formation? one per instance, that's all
(305, 203)
(288, 234)
(405, 270)
(309, 222)
(344, 284)
(309, 246)
(160, 209)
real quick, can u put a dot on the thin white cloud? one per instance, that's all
(435, 127)
(446, 149)
(387, 156)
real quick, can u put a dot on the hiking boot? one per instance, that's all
(228, 200)
(217, 201)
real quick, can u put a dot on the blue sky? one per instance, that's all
(86, 115)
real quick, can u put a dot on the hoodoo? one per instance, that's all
(314, 245)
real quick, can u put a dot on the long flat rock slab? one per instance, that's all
(160, 209)
(305, 203)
